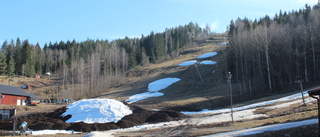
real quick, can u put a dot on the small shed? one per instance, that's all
(33, 100)
(36, 76)
(6, 114)
(10, 95)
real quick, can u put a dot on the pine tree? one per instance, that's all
(4, 47)
(10, 66)
(28, 60)
(18, 57)
(3, 64)
(10, 69)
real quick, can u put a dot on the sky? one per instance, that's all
(42, 21)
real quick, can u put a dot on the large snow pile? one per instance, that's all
(96, 111)
(153, 89)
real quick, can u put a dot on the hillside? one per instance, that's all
(186, 94)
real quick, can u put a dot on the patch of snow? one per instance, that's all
(111, 133)
(224, 117)
(161, 84)
(262, 129)
(208, 62)
(223, 43)
(142, 96)
(289, 103)
(188, 63)
(207, 55)
(99, 134)
(52, 132)
(291, 97)
(153, 89)
(96, 111)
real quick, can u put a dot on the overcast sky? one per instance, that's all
(55, 20)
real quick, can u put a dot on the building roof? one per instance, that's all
(6, 89)
(33, 96)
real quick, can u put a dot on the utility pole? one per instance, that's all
(14, 125)
(229, 76)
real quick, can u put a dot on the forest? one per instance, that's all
(272, 55)
(87, 68)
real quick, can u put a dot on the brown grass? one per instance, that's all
(23, 110)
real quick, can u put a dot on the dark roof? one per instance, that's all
(6, 89)
(33, 96)
(315, 91)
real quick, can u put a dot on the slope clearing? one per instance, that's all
(189, 93)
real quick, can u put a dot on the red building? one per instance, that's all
(10, 95)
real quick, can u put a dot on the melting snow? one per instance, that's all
(188, 63)
(208, 62)
(143, 96)
(52, 132)
(96, 111)
(223, 44)
(153, 89)
(161, 84)
(291, 97)
(257, 130)
(207, 55)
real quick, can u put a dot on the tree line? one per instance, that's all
(269, 55)
(90, 67)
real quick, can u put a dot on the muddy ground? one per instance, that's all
(53, 120)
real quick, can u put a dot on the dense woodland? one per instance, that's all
(88, 68)
(269, 56)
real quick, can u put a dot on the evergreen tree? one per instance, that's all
(3, 64)
(28, 60)
(39, 59)
(10, 66)
(4, 47)
(18, 57)
(10, 69)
